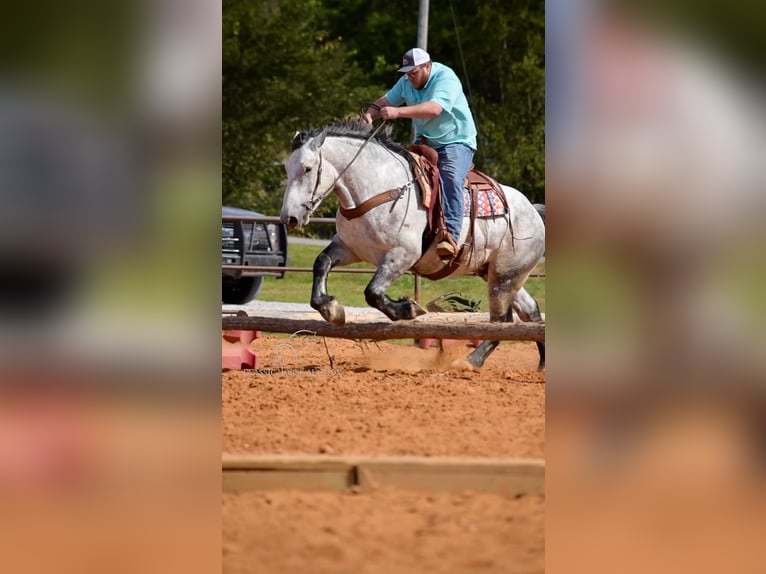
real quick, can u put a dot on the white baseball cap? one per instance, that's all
(413, 58)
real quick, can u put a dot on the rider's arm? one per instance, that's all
(374, 110)
(422, 111)
(383, 109)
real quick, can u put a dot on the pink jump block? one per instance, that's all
(235, 350)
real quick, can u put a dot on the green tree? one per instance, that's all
(282, 72)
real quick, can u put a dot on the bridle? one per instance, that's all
(315, 199)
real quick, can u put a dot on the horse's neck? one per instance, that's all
(373, 171)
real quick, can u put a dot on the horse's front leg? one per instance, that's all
(397, 261)
(336, 253)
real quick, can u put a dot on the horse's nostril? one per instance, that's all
(292, 221)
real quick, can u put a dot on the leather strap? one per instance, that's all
(375, 201)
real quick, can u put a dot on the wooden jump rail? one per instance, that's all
(507, 476)
(469, 326)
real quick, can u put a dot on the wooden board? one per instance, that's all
(506, 476)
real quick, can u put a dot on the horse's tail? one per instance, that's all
(541, 210)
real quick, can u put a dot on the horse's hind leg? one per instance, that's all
(500, 298)
(479, 354)
(504, 299)
(528, 310)
(397, 261)
(336, 253)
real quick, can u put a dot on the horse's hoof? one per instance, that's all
(463, 364)
(333, 312)
(475, 361)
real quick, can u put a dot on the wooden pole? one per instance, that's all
(418, 289)
(445, 326)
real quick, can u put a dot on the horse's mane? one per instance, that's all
(351, 129)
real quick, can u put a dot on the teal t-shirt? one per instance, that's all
(455, 123)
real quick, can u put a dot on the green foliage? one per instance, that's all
(292, 65)
(282, 72)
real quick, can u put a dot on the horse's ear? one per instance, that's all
(317, 142)
(298, 140)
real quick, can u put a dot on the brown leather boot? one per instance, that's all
(445, 250)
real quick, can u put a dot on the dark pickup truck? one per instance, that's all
(245, 242)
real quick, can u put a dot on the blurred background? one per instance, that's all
(655, 270)
(110, 185)
(110, 175)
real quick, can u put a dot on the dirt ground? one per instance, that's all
(310, 395)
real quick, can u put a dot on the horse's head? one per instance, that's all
(307, 185)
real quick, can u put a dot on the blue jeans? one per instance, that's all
(454, 163)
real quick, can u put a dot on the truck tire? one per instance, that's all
(240, 291)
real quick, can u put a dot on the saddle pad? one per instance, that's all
(488, 202)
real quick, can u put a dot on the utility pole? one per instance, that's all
(423, 25)
(422, 34)
(423, 45)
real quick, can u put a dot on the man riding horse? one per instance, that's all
(434, 100)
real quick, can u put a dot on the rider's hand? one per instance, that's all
(367, 118)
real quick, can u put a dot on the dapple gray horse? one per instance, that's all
(357, 164)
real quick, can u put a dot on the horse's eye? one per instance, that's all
(308, 169)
